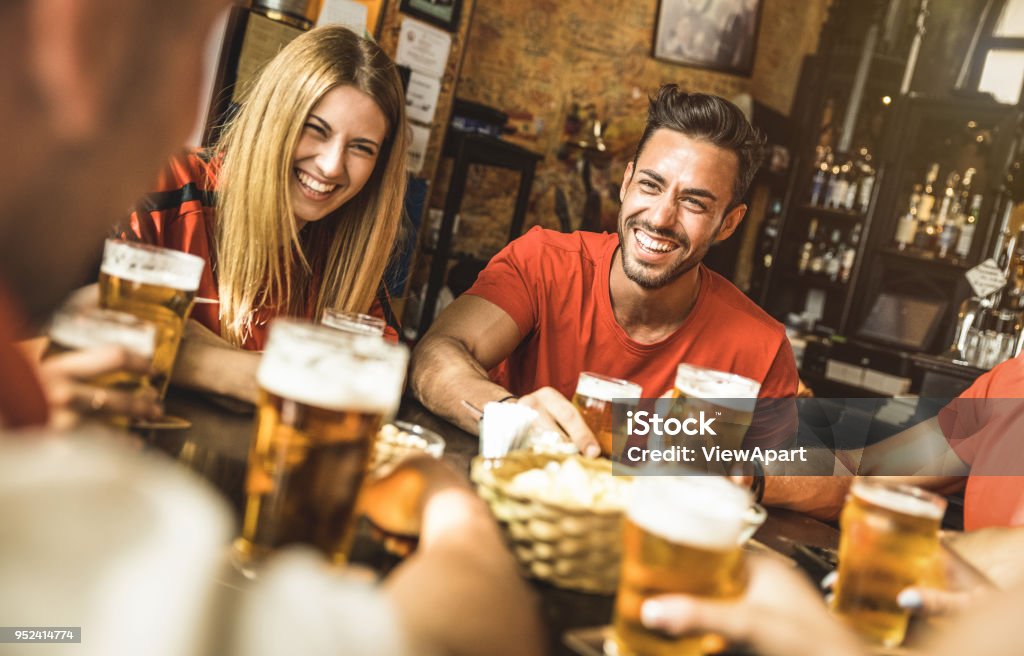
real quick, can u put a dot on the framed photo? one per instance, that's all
(443, 13)
(716, 34)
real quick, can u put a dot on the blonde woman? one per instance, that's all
(296, 210)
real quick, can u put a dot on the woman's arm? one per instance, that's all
(208, 363)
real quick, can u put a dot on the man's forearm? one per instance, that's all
(219, 369)
(444, 373)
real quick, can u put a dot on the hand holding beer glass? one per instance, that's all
(889, 541)
(594, 398)
(324, 394)
(155, 284)
(682, 534)
(120, 391)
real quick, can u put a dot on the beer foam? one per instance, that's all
(152, 265)
(728, 390)
(607, 389)
(902, 502)
(332, 370)
(95, 328)
(706, 512)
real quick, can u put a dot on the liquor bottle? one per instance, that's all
(866, 186)
(833, 256)
(924, 240)
(849, 255)
(820, 179)
(906, 227)
(770, 234)
(970, 224)
(807, 248)
(817, 263)
(837, 191)
(850, 201)
(946, 230)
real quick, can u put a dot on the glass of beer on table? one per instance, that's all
(353, 322)
(74, 329)
(681, 534)
(594, 398)
(889, 541)
(324, 394)
(155, 284)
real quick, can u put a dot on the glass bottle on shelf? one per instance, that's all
(833, 256)
(770, 234)
(819, 183)
(946, 229)
(906, 227)
(968, 227)
(839, 186)
(924, 240)
(807, 248)
(866, 185)
(849, 255)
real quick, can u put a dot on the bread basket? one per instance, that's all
(563, 541)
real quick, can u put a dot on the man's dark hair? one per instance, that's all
(711, 119)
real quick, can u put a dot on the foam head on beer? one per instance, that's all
(86, 328)
(353, 322)
(705, 512)
(728, 390)
(151, 265)
(607, 389)
(899, 501)
(333, 370)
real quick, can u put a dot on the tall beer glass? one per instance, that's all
(324, 395)
(889, 541)
(681, 535)
(729, 398)
(594, 399)
(353, 322)
(73, 329)
(156, 284)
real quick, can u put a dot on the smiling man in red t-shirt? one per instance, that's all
(632, 305)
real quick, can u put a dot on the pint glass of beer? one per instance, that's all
(324, 394)
(353, 322)
(729, 398)
(889, 540)
(594, 398)
(155, 284)
(74, 329)
(681, 535)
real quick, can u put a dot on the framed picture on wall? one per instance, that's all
(443, 13)
(716, 34)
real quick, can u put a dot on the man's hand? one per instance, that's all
(66, 381)
(557, 413)
(801, 625)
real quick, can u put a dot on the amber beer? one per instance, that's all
(681, 535)
(594, 399)
(324, 395)
(889, 541)
(353, 322)
(155, 284)
(729, 398)
(75, 329)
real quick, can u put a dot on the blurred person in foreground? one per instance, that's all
(632, 305)
(128, 546)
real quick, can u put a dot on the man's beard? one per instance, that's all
(639, 273)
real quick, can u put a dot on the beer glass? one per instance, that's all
(324, 394)
(594, 399)
(729, 398)
(353, 322)
(74, 329)
(155, 284)
(889, 540)
(681, 534)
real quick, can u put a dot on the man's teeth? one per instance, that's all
(315, 185)
(654, 244)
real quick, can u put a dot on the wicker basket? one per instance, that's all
(568, 545)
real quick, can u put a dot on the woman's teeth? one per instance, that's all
(315, 185)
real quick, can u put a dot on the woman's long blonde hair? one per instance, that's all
(262, 257)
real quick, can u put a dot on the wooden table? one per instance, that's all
(216, 447)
